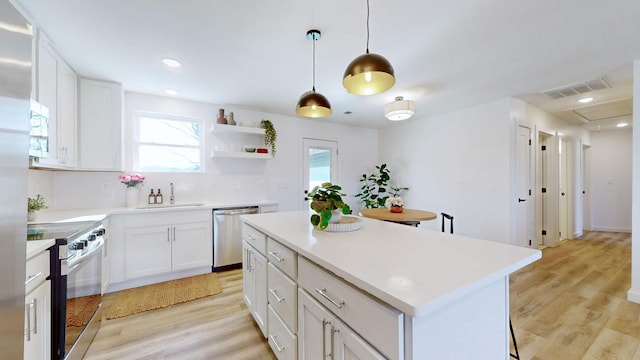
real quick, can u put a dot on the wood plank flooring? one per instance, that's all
(571, 304)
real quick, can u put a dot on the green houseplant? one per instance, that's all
(33, 205)
(269, 135)
(373, 192)
(326, 199)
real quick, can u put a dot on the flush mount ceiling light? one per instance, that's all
(171, 62)
(399, 110)
(585, 100)
(622, 124)
(311, 103)
(369, 73)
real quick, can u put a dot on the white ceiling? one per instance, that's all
(255, 54)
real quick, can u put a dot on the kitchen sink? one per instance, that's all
(160, 206)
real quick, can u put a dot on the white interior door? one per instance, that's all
(563, 200)
(524, 206)
(548, 155)
(320, 164)
(586, 187)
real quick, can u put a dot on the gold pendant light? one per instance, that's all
(311, 103)
(368, 74)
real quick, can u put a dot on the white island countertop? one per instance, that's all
(414, 270)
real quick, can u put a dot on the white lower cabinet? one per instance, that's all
(254, 272)
(322, 335)
(161, 243)
(282, 341)
(37, 309)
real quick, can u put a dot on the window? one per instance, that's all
(167, 143)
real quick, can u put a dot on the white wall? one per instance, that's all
(225, 181)
(611, 169)
(458, 163)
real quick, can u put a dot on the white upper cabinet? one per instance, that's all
(100, 125)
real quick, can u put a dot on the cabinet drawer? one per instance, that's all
(376, 322)
(255, 238)
(281, 340)
(283, 296)
(282, 257)
(37, 271)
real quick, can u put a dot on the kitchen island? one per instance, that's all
(450, 293)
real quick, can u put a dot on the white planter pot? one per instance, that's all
(336, 215)
(132, 196)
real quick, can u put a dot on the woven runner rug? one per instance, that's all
(155, 296)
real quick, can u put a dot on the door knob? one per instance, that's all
(521, 200)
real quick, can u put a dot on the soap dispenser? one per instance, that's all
(152, 198)
(159, 197)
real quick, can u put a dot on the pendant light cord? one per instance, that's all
(314, 63)
(367, 26)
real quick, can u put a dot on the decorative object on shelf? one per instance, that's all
(33, 205)
(399, 109)
(221, 119)
(324, 200)
(373, 192)
(369, 73)
(269, 135)
(132, 181)
(230, 119)
(311, 103)
(395, 204)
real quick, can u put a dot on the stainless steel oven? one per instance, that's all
(76, 284)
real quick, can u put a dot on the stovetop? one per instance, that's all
(60, 230)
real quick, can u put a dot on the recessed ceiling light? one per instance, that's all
(171, 62)
(622, 124)
(585, 100)
(171, 92)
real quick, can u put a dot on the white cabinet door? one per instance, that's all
(100, 123)
(148, 251)
(67, 110)
(191, 246)
(255, 285)
(37, 330)
(322, 335)
(47, 92)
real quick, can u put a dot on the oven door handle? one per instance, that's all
(81, 260)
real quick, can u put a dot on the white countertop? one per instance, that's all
(412, 269)
(48, 216)
(35, 247)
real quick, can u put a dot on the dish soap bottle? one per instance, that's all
(158, 197)
(152, 198)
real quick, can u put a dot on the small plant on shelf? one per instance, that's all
(325, 199)
(269, 135)
(35, 204)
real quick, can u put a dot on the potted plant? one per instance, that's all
(33, 205)
(269, 135)
(373, 192)
(326, 201)
(394, 204)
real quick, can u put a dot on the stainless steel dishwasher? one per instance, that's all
(227, 237)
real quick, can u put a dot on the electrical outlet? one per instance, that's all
(105, 187)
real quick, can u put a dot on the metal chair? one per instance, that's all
(513, 335)
(450, 218)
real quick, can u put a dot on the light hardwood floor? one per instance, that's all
(571, 304)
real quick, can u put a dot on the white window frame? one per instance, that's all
(136, 137)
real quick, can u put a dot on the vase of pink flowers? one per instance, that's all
(132, 181)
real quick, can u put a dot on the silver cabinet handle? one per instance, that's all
(35, 315)
(273, 292)
(333, 331)
(273, 338)
(174, 234)
(275, 256)
(249, 237)
(27, 309)
(168, 234)
(33, 277)
(324, 338)
(323, 293)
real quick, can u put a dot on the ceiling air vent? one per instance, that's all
(579, 88)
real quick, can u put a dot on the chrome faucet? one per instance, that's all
(172, 199)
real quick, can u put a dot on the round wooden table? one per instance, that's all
(407, 216)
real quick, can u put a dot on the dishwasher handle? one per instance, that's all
(241, 211)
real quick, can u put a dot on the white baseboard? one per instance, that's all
(633, 296)
(611, 229)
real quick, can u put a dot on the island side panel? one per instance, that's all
(472, 327)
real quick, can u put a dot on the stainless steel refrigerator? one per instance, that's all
(15, 91)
